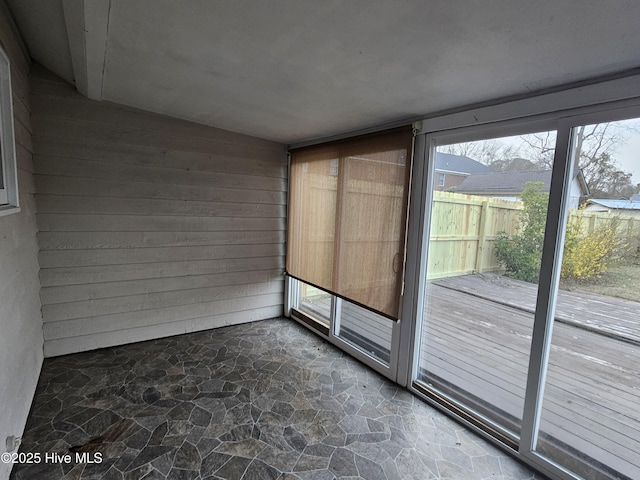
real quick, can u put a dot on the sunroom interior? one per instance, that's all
(176, 168)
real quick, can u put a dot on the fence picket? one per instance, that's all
(464, 229)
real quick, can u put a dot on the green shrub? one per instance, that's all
(585, 255)
(521, 253)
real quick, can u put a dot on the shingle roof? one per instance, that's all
(503, 182)
(458, 163)
(617, 204)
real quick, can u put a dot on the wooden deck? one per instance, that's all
(609, 316)
(476, 342)
(592, 396)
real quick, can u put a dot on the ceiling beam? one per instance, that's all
(87, 24)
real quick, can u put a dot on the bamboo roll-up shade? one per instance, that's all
(347, 217)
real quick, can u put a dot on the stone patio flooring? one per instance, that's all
(260, 401)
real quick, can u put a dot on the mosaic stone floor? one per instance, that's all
(261, 401)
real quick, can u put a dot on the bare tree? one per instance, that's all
(483, 151)
(594, 147)
(539, 148)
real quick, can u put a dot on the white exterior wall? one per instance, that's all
(20, 318)
(593, 207)
(150, 226)
(575, 194)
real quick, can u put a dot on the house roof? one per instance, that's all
(511, 183)
(447, 162)
(503, 182)
(298, 70)
(616, 204)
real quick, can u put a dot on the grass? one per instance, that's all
(621, 280)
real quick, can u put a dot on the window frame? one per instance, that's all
(563, 121)
(613, 98)
(9, 202)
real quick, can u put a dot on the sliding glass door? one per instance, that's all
(589, 419)
(487, 220)
(530, 274)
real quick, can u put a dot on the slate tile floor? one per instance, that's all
(266, 400)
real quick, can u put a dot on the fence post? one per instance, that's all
(632, 233)
(592, 223)
(482, 235)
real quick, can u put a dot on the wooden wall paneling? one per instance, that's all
(54, 347)
(149, 225)
(173, 298)
(49, 184)
(128, 256)
(21, 340)
(121, 288)
(153, 316)
(111, 273)
(149, 206)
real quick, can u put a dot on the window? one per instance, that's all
(333, 168)
(441, 179)
(8, 175)
(345, 252)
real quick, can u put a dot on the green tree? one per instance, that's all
(521, 253)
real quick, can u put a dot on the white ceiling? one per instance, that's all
(294, 70)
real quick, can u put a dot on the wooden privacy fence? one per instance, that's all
(627, 227)
(464, 230)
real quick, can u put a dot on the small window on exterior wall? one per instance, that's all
(333, 167)
(8, 173)
(441, 180)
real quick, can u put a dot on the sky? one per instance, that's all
(628, 157)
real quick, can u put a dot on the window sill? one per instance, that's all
(8, 210)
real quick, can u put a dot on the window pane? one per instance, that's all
(3, 191)
(590, 419)
(483, 263)
(367, 331)
(314, 302)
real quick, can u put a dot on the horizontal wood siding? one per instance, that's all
(20, 319)
(150, 226)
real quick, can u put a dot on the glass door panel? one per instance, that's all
(487, 218)
(590, 416)
(365, 330)
(364, 334)
(314, 302)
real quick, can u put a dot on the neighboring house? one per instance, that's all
(451, 170)
(509, 185)
(629, 207)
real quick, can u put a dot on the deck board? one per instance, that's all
(606, 315)
(593, 388)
